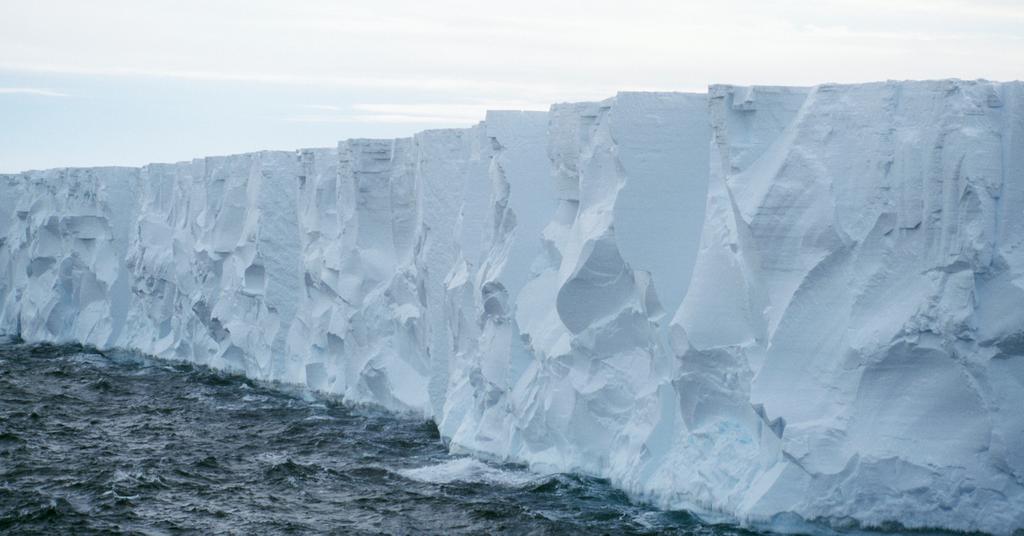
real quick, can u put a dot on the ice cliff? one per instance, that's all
(860, 283)
(766, 304)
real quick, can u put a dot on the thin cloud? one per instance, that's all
(423, 113)
(465, 111)
(543, 51)
(479, 84)
(379, 118)
(39, 92)
(323, 107)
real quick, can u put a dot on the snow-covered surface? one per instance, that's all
(764, 304)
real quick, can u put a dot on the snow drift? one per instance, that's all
(767, 304)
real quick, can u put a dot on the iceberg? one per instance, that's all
(774, 306)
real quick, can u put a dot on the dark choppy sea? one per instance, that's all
(115, 444)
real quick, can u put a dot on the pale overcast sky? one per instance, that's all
(130, 82)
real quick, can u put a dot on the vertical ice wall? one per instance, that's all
(562, 371)
(358, 331)
(381, 231)
(662, 140)
(488, 352)
(215, 262)
(861, 274)
(451, 169)
(63, 254)
(10, 193)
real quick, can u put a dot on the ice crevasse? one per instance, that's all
(770, 305)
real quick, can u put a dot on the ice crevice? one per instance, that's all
(769, 305)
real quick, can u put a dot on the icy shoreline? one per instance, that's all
(848, 347)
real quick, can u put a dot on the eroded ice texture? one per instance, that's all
(381, 230)
(760, 303)
(359, 330)
(215, 262)
(860, 285)
(66, 239)
(487, 349)
(565, 372)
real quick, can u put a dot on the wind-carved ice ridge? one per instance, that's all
(767, 305)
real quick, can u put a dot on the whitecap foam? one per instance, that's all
(471, 471)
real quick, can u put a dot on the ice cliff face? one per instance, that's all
(64, 244)
(358, 328)
(768, 304)
(860, 284)
(568, 368)
(213, 262)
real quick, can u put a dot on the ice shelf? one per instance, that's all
(768, 305)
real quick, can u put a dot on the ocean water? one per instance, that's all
(109, 444)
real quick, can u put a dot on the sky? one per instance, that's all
(109, 82)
